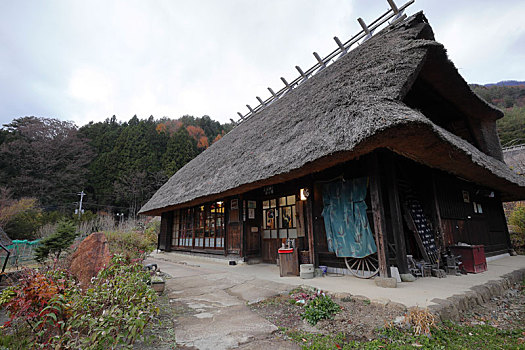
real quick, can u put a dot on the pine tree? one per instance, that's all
(56, 243)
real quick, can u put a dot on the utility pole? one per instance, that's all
(81, 194)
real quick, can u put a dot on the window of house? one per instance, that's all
(200, 227)
(176, 229)
(185, 228)
(279, 218)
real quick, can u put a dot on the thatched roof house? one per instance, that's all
(354, 106)
(397, 92)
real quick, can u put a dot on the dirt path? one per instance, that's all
(212, 308)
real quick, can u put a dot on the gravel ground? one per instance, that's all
(504, 312)
(358, 318)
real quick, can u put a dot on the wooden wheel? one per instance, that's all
(366, 267)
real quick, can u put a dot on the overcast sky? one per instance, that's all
(88, 60)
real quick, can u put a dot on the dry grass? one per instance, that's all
(421, 320)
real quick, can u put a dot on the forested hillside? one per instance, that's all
(511, 99)
(119, 165)
(45, 163)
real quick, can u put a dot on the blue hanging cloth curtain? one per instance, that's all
(347, 229)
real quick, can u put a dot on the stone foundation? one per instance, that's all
(452, 307)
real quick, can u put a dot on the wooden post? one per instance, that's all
(310, 226)
(340, 44)
(169, 230)
(301, 72)
(161, 244)
(396, 216)
(242, 227)
(226, 225)
(437, 213)
(378, 213)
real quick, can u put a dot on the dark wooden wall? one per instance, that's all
(438, 191)
(166, 229)
(462, 224)
(233, 227)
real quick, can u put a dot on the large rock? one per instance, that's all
(90, 257)
(385, 282)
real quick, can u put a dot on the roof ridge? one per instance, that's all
(393, 13)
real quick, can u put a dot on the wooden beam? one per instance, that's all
(340, 44)
(440, 228)
(226, 222)
(396, 215)
(161, 243)
(242, 227)
(310, 225)
(378, 213)
(169, 230)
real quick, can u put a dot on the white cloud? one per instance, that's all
(88, 60)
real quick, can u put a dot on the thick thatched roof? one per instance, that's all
(351, 108)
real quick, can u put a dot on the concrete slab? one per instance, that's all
(218, 298)
(417, 293)
(258, 290)
(270, 344)
(226, 329)
(215, 295)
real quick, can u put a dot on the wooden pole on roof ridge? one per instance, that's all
(364, 26)
(286, 83)
(340, 44)
(320, 60)
(301, 72)
(393, 6)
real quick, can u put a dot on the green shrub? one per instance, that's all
(111, 314)
(24, 225)
(131, 244)
(56, 243)
(320, 308)
(152, 230)
(115, 311)
(517, 218)
(517, 234)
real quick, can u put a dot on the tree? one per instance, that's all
(102, 138)
(180, 150)
(44, 158)
(56, 243)
(511, 128)
(10, 208)
(51, 160)
(198, 135)
(132, 189)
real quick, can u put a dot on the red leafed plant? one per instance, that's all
(39, 300)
